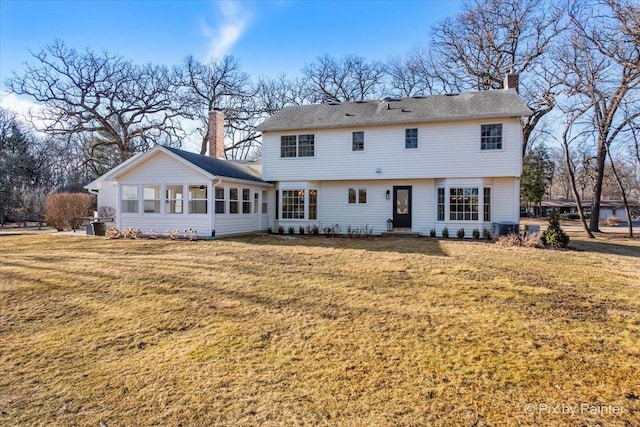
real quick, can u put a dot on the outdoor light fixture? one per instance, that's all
(388, 194)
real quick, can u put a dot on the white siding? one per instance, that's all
(445, 150)
(161, 169)
(333, 206)
(108, 194)
(238, 223)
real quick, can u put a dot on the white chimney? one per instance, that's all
(216, 134)
(511, 82)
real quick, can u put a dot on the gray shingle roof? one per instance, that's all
(434, 108)
(219, 167)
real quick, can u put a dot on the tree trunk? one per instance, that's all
(597, 187)
(624, 196)
(574, 188)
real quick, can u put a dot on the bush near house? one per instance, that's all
(554, 235)
(65, 210)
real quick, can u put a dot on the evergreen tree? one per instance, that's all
(537, 172)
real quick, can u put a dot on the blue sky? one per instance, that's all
(268, 37)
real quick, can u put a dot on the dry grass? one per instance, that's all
(315, 331)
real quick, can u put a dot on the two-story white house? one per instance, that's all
(415, 164)
(411, 164)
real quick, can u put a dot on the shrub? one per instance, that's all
(532, 241)
(280, 230)
(486, 235)
(291, 230)
(554, 235)
(113, 233)
(301, 230)
(171, 234)
(106, 212)
(432, 232)
(315, 230)
(269, 230)
(460, 233)
(65, 210)
(509, 240)
(191, 234)
(445, 233)
(475, 234)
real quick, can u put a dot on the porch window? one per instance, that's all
(220, 202)
(246, 201)
(256, 202)
(265, 205)
(129, 202)
(151, 198)
(233, 200)
(197, 199)
(174, 199)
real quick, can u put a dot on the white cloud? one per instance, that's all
(21, 106)
(234, 20)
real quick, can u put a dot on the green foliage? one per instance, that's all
(460, 233)
(280, 230)
(432, 232)
(537, 172)
(554, 235)
(486, 235)
(475, 234)
(445, 233)
(301, 230)
(291, 231)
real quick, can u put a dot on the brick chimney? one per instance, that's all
(512, 81)
(216, 134)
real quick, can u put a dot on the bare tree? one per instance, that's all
(351, 79)
(602, 73)
(276, 93)
(220, 84)
(477, 48)
(120, 104)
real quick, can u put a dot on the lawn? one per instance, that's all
(268, 331)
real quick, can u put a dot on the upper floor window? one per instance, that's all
(491, 137)
(297, 146)
(357, 141)
(411, 138)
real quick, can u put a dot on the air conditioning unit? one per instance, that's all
(505, 228)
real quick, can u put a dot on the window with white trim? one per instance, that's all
(487, 204)
(491, 136)
(256, 201)
(357, 196)
(233, 200)
(151, 198)
(129, 199)
(293, 204)
(220, 201)
(297, 146)
(357, 141)
(265, 205)
(174, 195)
(197, 199)
(463, 204)
(246, 201)
(313, 204)
(441, 204)
(411, 138)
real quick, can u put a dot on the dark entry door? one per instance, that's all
(402, 207)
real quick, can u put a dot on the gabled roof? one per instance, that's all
(213, 168)
(434, 108)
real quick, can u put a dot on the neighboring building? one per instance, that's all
(167, 189)
(413, 164)
(608, 208)
(417, 163)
